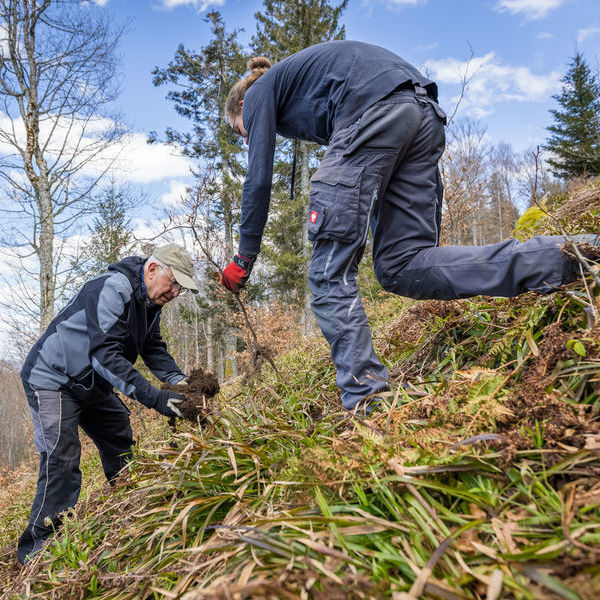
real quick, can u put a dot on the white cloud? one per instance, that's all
(491, 82)
(131, 158)
(177, 191)
(544, 36)
(139, 162)
(532, 9)
(199, 5)
(582, 34)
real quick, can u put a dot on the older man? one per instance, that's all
(89, 349)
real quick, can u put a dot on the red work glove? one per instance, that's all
(236, 273)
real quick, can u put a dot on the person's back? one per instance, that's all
(327, 85)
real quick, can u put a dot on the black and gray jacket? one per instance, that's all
(92, 344)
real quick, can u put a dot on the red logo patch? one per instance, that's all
(314, 215)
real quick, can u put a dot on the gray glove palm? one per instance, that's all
(167, 403)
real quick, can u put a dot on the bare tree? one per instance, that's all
(463, 168)
(502, 191)
(58, 75)
(535, 179)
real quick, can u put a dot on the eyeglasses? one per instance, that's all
(176, 288)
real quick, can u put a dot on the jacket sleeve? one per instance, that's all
(157, 358)
(107, 329)
(259, 117)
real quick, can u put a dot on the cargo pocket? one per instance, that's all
(333, 203)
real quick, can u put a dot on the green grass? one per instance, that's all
(269, 501)
(479, 481)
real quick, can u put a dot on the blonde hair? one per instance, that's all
(258, 66)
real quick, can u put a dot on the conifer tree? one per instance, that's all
(199, 83)
(283, 28)
(112, 238)
(575, 139)
(198, 86)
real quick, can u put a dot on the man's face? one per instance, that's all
(159, 284)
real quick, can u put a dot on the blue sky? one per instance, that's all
(521, 48)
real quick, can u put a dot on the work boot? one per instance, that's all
(588, 245)
(366, 406)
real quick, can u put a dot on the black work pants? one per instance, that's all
(381, 174)
(57, 415)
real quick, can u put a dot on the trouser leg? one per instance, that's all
(55, 419)
(344, 193)
(406, 226)
(342, 319)
(509, 268)
(106, 421)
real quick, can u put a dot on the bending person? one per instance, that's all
(385, 134)
(69, 374)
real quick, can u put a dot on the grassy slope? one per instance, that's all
(482, 482)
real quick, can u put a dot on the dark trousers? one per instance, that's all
(57, 416)
(381, 174)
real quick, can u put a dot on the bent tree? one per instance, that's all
(57, 78)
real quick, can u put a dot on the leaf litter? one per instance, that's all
(482, 485)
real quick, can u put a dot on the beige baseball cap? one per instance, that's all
(180, 262)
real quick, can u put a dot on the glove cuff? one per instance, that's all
(243, 262)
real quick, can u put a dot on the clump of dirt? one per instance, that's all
(408, 327)
(586, 250)
(201, 386)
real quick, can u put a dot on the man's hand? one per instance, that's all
(167, 403)
(236, 273)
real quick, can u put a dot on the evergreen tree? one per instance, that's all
(199, 83)
(112, 238)
(288, 26)
(283, 28)
(575, 139)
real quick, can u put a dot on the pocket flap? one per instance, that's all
(333, 175)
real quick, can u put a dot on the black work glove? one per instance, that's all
(167, 403)
(236, 273)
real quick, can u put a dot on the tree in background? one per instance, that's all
(15, 433)
(575, 139)
(283, 28)
(58, 74)
(198, 86)
(502, 190)
(111, 236)
(534, 178)
(463, 168)
(200, 82)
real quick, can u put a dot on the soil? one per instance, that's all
(201, 386)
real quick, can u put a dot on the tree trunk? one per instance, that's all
(45, 252)
(210, 356)
(307, 316)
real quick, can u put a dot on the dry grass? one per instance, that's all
(479, 481)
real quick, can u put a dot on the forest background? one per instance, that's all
(148, 154)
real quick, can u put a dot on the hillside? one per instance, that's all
(479, 480)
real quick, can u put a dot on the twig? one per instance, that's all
(257, 346)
